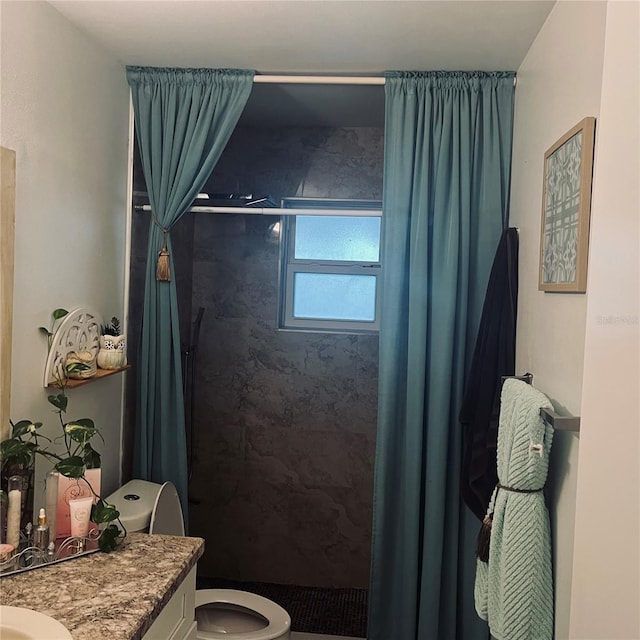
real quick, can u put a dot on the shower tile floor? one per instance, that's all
(295, 635)
(316, 613)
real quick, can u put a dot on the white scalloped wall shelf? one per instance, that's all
(78, 331)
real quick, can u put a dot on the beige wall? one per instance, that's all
(64, 111)
(583, 349)
(605, 602)
(559, 83)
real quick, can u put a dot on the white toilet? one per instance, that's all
(220, 613)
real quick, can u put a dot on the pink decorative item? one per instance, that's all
(73, 489)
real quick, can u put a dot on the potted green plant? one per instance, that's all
(19, 451)
(18, 454)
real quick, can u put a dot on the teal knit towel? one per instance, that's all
(514, 590)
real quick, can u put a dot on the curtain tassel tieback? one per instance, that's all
(163, 271)
(484, 537)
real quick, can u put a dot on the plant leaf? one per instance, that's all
(59, 313)
(72, 467)
(59, 401)
(91, 457)
(45, 331)
(18, 451)
(76, 367)
(86, 422)
(79, 432)
(109, 538)
(23, 427)
(102, 512)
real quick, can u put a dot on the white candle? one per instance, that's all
(4, 505)
(13, 518)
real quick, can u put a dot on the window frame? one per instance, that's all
(289, 266)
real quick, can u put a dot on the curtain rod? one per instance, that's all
(360, 80)
(277, 211)
(285, 79)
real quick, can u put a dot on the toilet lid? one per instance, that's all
(166, 516)
(278, 620)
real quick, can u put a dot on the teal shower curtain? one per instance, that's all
(183, 119)
(445, 202)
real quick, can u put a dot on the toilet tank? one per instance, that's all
(135, 502)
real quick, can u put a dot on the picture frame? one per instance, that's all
(566, 209)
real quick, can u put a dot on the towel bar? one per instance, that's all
(564, 423)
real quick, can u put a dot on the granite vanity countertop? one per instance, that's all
(108, 596)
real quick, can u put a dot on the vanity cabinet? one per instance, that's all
(177, 620)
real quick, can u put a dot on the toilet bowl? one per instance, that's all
(239, 615)
(226, 614)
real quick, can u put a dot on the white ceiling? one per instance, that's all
(361, 37)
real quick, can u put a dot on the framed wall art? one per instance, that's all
(566, 207)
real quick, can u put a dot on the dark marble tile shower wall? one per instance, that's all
(282, 479)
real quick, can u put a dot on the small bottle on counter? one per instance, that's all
(41, 533)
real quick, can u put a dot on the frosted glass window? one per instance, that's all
(330, 266)
(346, 239)
(331, 296)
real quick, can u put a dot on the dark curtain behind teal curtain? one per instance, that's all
(445, 202)
(183, 118)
